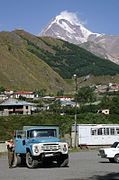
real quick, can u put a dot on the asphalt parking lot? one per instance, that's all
(82, 166)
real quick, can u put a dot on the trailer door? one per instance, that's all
(83, 136)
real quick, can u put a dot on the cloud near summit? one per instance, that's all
(72, 16)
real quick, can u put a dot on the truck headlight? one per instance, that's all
(65, 148)
(36, 149)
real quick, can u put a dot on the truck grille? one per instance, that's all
(51, 147)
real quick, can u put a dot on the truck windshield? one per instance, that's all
(36, 133)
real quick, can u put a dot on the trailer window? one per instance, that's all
(117, 130)
(112, 131)
(100, 131)
(93, 132)
(106, 131)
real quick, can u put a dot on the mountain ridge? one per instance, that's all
(68, 27)
(28, 62)
(66, 57)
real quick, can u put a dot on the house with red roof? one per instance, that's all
(26, 94)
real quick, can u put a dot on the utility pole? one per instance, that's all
(75, 116)
(76, 103)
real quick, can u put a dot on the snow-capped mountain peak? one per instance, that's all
(67, 26)
(71, 17)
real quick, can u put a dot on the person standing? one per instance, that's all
(10, 148)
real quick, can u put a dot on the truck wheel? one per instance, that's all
(116, 158)
(63, 161)
(111, 160)
(30, 162)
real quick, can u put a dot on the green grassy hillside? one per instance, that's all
(28, 62)
(66, 58)
(21, 69)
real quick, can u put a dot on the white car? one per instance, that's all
(111, 153)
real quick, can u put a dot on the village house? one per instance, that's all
(25, 94)
(13, 106)
(101, 88)
(67, 101)
(103, 111)
(64, 98)
(113, 87)
(3, 97)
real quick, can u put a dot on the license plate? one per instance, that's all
(48, 155)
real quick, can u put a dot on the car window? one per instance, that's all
(115, 144)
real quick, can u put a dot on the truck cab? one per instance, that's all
(35, 145)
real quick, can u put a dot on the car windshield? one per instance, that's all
(115, 144)
(43, 133)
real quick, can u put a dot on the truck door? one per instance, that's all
(19, 140)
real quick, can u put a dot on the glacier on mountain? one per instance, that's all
(67, 26)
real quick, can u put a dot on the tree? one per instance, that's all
(60, 93)
(85, 94)
(56, 106)
(111, 103)
(114, 107)
(22, 98)
(41, 92)
(105, 102)
(2, 89)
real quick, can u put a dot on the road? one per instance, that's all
(82, 166)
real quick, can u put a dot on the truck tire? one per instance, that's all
(63, 161)
(116, 158)
(30, 162)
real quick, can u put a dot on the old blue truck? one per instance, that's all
(35, 145)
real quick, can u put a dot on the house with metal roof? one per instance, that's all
(13, 106)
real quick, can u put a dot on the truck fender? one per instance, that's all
(28, 150)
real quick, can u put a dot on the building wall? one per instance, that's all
(26, 110)
(3, 147)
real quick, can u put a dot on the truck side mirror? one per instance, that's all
(23, 142)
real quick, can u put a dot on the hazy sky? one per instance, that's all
(100, 16)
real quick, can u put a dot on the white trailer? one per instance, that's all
(94, 134)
